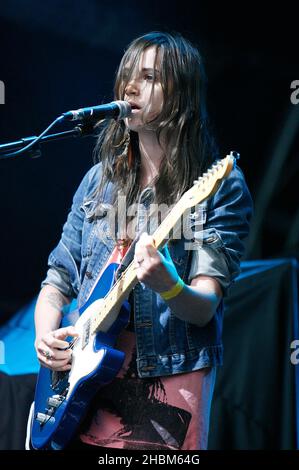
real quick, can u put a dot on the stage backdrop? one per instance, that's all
(255, 405)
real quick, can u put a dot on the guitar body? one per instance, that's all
(61, 398)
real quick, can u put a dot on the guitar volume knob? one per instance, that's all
(42, 418)
(54, 401)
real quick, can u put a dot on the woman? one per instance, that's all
(161, 397)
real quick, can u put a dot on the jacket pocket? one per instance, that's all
(95, 226)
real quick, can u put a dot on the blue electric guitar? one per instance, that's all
(62, 398)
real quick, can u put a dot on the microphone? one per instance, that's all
(113, 110)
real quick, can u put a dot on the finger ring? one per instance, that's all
(47, 354)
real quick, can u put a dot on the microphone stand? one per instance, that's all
(81, 130)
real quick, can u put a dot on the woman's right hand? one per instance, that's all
(53, 352)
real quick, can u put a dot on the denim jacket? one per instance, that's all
(165, 344)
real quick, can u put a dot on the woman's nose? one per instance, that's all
(132, 87)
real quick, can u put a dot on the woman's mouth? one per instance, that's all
(135, 107)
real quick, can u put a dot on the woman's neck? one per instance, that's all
(151, 155)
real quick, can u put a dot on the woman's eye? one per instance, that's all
(149, 77)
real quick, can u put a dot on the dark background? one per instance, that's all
(61, 55)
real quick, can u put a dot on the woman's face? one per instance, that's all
(144, 91)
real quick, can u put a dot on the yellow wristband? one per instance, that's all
(174, 291)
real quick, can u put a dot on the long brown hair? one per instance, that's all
(183, 120)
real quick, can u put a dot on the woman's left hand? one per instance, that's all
(153, 268)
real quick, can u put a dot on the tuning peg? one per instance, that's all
(235, 154)
(199, 180)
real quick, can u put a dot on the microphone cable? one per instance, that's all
(37, 139)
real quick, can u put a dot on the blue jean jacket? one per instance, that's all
(165, 344)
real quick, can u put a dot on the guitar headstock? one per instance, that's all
(209, 182)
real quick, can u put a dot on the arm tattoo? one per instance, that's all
(56, 300)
